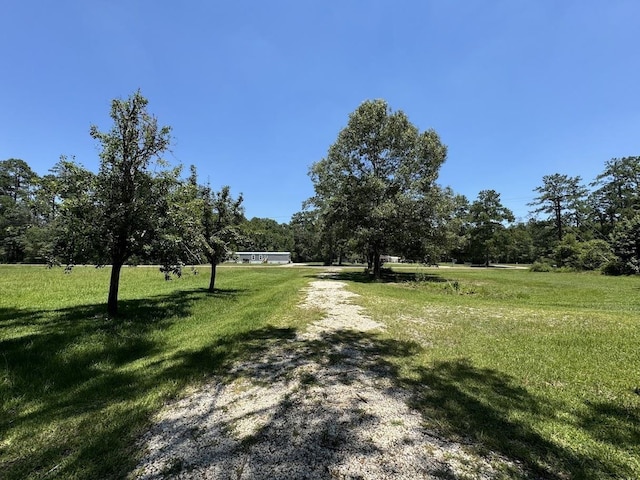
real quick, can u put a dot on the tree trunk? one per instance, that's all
(558, 213)
(370, 262)
(212, 281)
(377, 266)
(114, 283)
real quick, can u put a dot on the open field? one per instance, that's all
(542, 369)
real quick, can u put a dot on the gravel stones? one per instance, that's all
(320, 406)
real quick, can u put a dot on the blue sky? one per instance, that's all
(256, 91)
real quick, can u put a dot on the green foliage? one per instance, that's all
(540, 266)
(17, 185)
(305, 231)
(486, 217)
(266, 235)
(594, 254)
(220, 222)
(129, 199)
(377, 184)
(561, 197)
(625, 240)
(618, 195)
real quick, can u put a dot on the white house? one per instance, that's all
(263, 257)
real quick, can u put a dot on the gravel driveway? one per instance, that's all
(320, 406)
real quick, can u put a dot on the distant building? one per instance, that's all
(389, 259)
(263, 257)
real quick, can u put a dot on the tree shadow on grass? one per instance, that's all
(482, 406)
(483, 410)
(62, 369)
(72, 368)
(389, 276)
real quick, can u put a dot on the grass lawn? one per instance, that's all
(76, 388)
(540, 368)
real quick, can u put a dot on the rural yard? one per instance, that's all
(320, 405)
(308, 372)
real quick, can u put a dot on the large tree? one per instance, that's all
(377, 184)
(129, 196)
(561, 197)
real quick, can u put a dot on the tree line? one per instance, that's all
(376, 193)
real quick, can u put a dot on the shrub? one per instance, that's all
(539, 266)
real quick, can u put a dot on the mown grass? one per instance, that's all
(540, 368)
(78, 388)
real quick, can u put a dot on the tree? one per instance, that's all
(305, 232)
(220, 220)
(486, 217)
(376, 186)
(618, 195)
(561, 197)
(519, 246)
(625, 240)
(128, 195)
(265, 234)
(17, 185)
(72, 228)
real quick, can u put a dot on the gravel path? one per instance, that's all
(320, 406)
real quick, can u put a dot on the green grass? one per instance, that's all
(539, 368)
(542, 368)
(77, 388)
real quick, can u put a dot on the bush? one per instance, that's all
(594, 254)
(539, 266)
(618, 267)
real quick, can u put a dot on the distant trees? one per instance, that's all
(376, 187)
(486, 218)
(560, 197)
(265, 234)
(17, 188)
(375, 193)
(617, 195)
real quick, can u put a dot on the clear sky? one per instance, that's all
(256, 90)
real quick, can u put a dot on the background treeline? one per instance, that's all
(376, 194)
(33, 206)
(576, 226)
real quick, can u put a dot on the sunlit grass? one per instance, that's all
(539, 368)
(77, 388)
(543, 368)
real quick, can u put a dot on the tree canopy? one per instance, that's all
(129, 195)
(377, 184)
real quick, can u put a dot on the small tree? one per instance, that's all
(128, 195)
(220, 220)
